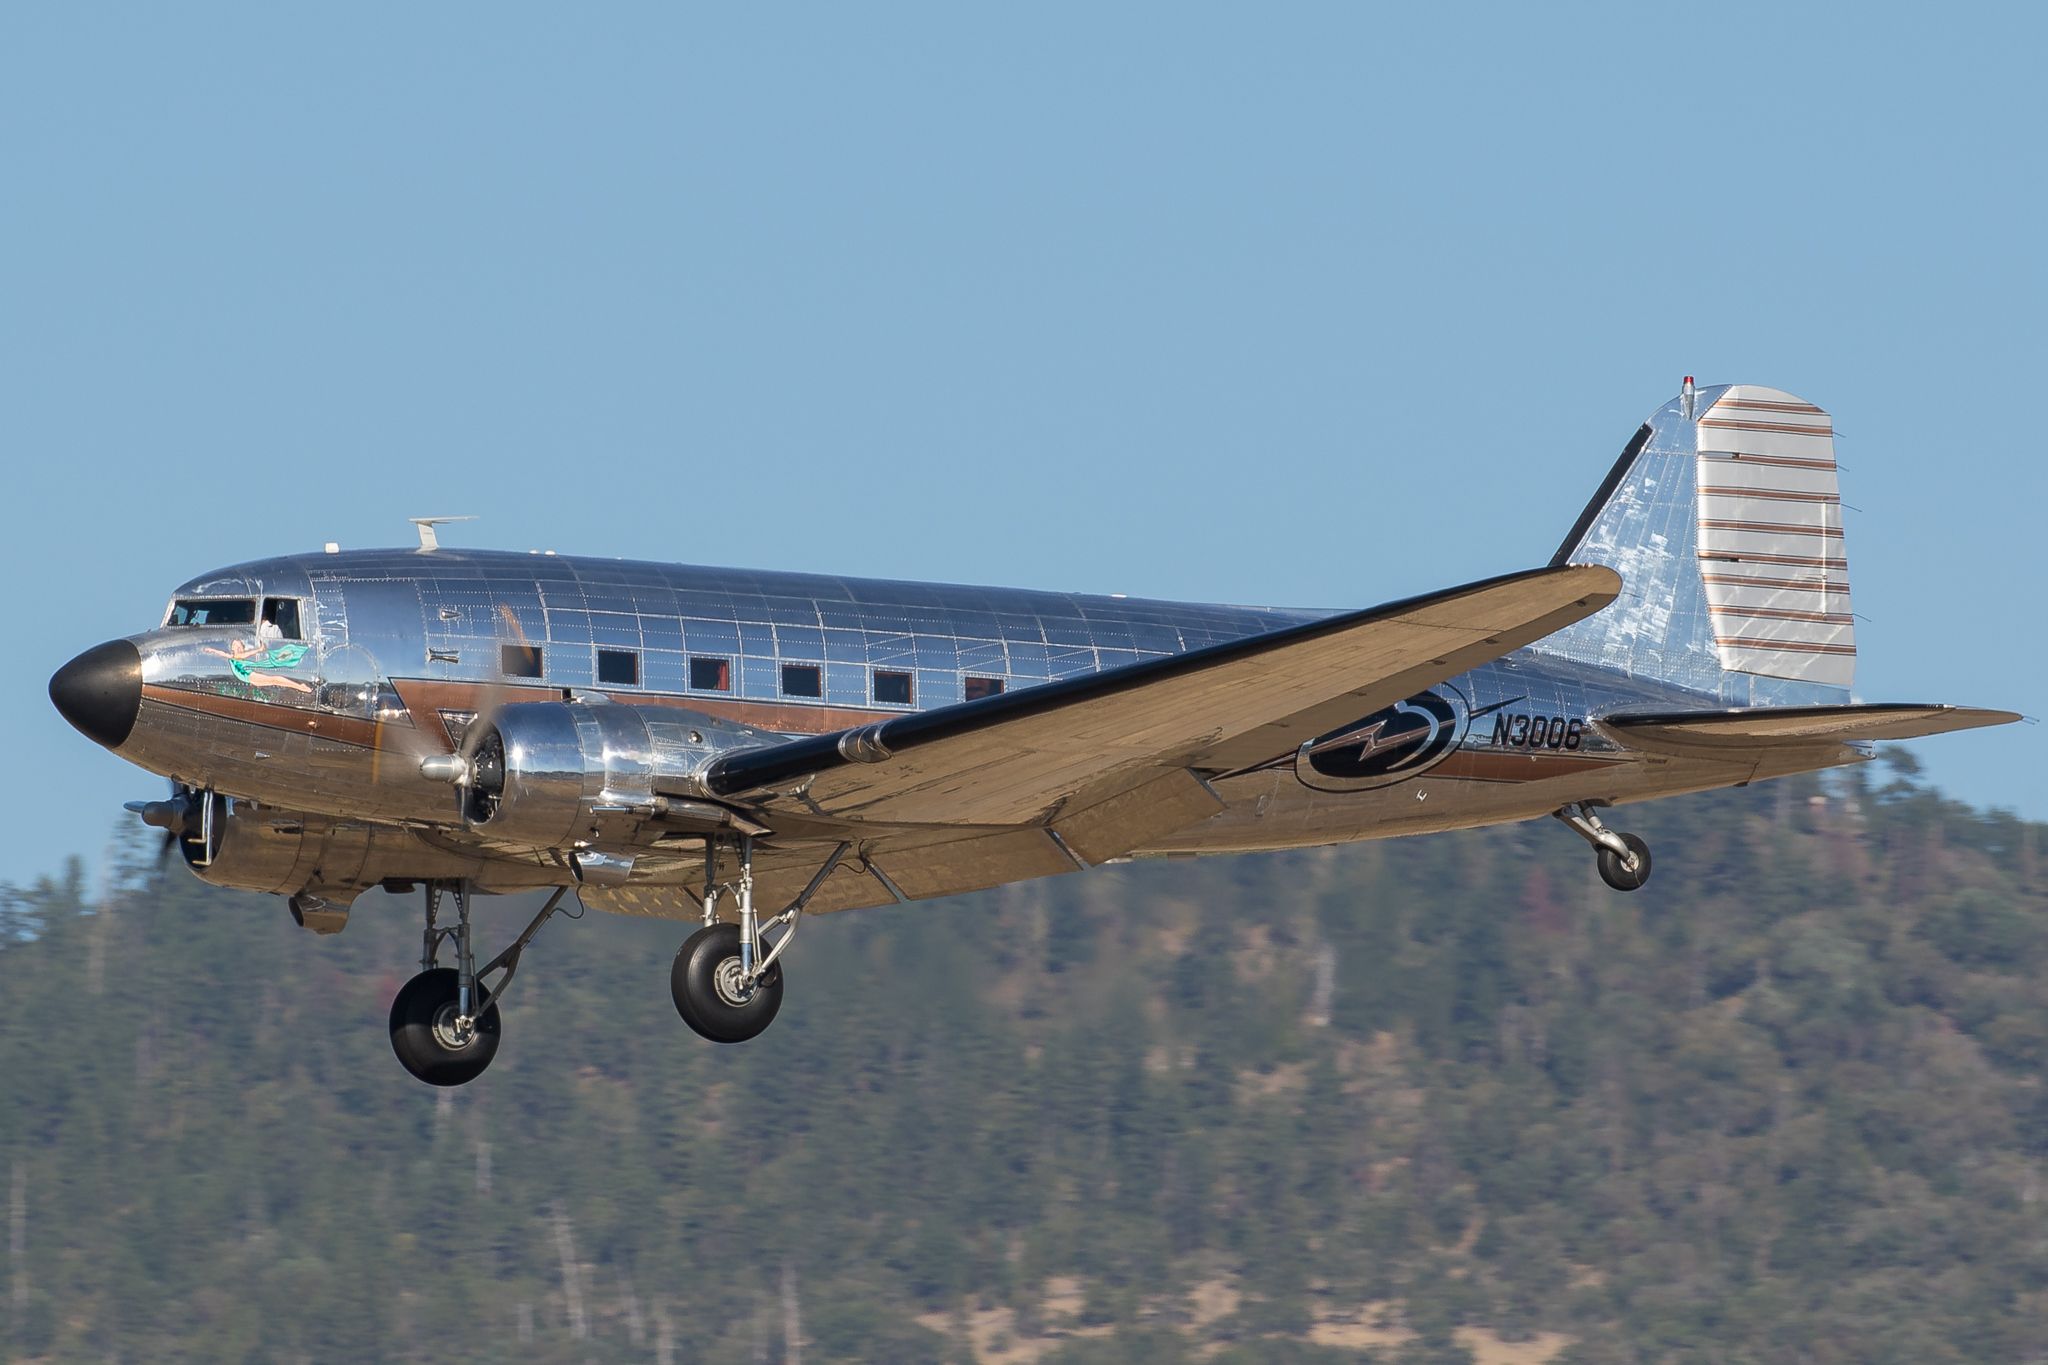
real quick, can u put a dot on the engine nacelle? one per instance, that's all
(253, 847)
(240, 844)
(555, 774)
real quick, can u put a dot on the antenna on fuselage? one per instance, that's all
(428, 540)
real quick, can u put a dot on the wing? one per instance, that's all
(1113, 750)
(1700, 733)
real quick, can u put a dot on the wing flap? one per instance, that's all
(919, 866)
(777, 881)
(1761, 727)
(1010, 759)
(957, 866)
(1100, 827)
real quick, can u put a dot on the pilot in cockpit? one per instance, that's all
(280, 620)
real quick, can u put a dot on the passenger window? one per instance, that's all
(281, 618)
(892, 688)
(977, 688)
(803, 680)
(620, 667)
(708, 674)
(519, 661)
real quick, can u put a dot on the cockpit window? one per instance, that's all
(213, 611)
(281, 618)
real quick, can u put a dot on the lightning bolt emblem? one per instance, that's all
(1367, 738)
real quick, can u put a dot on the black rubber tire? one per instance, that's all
(420, 1050)
(1619, 877)
(693, 984)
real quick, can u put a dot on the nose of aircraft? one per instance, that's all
(100, 691)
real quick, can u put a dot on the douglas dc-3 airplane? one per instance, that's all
(698, 743)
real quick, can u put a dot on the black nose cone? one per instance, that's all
(100, 691)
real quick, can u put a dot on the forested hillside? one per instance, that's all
(1432, 1100)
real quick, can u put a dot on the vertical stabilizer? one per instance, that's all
(1724, 519)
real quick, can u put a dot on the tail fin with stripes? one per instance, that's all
(1724, 518)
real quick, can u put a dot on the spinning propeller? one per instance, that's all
(477, 766)
(194, 818)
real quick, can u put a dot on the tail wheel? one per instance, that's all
(709, 987)
(1619, 874)
(426, 1036)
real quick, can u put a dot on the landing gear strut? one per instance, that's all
(727, 978)
(1624, 859)
(444, 1022)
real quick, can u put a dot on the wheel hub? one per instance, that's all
(451, 1030)
(730, 981)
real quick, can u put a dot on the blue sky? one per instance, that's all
(1316, 304)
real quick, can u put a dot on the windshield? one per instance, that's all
(212, 611)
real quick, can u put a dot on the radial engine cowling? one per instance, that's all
(241, 845)
(553, 774)
(259, 848)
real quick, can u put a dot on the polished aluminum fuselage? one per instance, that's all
(403, 647)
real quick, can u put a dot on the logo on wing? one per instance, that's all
(1408, 738)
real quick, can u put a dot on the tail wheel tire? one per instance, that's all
(707, 985)
(424, 1036)
(1617, 874)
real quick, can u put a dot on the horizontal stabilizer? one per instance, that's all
(1770, 727)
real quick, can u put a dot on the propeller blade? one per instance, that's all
(417, 742)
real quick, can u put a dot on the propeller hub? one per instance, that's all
(444, 768)
(173, 816)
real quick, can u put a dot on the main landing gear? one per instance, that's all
(727, 978)
(726, 981)
(444, 1022)
(1624, 859)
